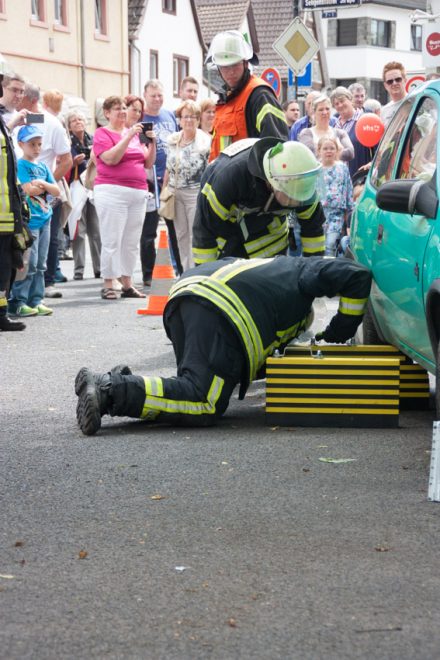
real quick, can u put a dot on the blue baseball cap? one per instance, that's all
(27, 133)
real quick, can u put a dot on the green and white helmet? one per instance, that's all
(291, 168)
(230, 47)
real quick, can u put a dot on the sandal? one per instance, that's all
(109, 294)
(131, 292)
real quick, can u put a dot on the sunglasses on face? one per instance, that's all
(394, 80)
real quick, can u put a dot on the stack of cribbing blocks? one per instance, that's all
(343, 386)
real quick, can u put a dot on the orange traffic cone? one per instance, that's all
(162, 278)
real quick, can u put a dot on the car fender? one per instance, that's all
(433, 314)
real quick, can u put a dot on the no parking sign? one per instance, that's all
(272, 77)
(414, 82)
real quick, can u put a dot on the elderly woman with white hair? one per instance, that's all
(88, 224)
(342, 101)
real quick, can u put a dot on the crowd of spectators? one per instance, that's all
(143, 147)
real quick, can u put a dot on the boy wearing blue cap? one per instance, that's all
(37, 182)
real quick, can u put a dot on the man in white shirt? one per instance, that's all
(55, 153)
(394, 80)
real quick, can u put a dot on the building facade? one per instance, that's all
(77, 46)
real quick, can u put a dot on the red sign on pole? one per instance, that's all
(272, 77)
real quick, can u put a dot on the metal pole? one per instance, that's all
(295, 14)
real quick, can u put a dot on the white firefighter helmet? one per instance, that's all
(291, 168)
(230, 47)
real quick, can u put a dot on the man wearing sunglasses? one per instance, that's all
(394, 80)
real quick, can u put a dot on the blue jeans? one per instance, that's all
(30, 291)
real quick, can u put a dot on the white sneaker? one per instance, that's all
(52, 292)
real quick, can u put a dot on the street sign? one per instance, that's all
(296, 46)
(317, 5)
(304, 79)
(414, 82)
(273, 78)
(431, 45)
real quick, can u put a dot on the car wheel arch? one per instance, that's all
(433, 315)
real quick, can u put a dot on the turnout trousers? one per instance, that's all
(210, 362)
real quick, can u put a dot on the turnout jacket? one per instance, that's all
(10, 195)
(253, 112)
(237, 214)
(267, 301)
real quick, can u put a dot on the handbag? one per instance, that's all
(89, 174)
(167, 196)
(166, 208)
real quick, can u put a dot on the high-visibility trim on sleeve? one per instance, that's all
(203, 255)
(6, 214)
(313, 244)
(154, 405)
(267, 109)
(352, 306)
(218, 208)
(307, 213)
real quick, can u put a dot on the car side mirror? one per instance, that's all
(408, 196)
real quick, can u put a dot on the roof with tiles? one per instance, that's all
(219, 15)
(136, 11)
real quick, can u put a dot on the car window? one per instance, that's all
(419, 156)
(389, 146)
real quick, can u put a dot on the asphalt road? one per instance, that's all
(232, 542)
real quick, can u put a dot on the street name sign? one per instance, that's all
(296, 46)
(317, 5)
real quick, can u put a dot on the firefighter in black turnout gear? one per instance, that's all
(224, 319)
(15, 235)
(246, 195)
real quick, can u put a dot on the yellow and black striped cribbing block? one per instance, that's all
(332, 391)
(414, 380)
(414, 386)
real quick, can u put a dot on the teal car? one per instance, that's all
(395, 231)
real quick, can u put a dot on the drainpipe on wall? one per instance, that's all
(138, 90)
(82, 49)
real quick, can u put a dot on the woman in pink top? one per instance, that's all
(119, 195)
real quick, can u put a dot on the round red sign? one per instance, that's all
(433, 43)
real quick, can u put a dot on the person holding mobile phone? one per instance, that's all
(120, 195)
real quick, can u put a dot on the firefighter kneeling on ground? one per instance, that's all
(246, 196)
(224, 319)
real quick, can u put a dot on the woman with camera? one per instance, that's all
(88, 224)
(119, 193)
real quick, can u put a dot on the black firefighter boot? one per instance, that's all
(94, 397)
(6, 325)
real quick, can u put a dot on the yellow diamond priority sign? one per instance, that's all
(296, 46)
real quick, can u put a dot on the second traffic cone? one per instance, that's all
(161, 280)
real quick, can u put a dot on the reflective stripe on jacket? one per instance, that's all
(6, 213)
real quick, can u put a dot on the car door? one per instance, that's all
(402, 239)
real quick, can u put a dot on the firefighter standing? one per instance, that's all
(224, 319)
(247, 106)
(14, 235)
(246, 196)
